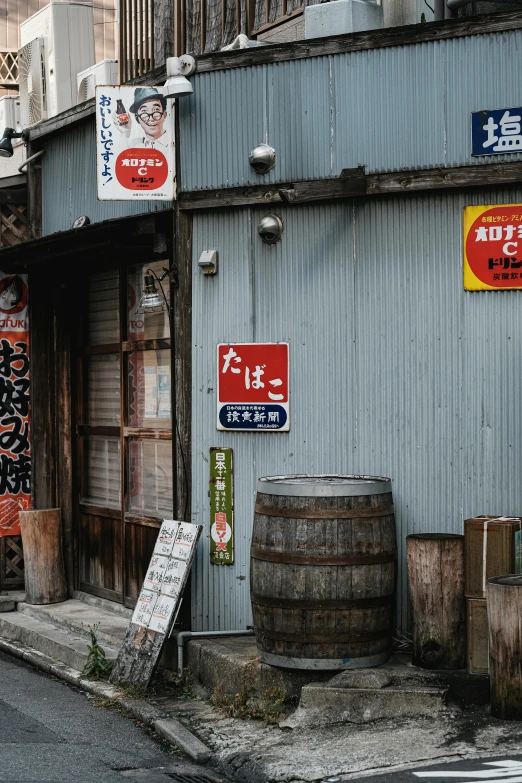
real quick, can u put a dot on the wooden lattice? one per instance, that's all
(8, 69)
(11, 562)
(14, 225)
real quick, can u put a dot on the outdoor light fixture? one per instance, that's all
(6, 145)
(262, 158)
(178, 68)
(270, 229)
(152, 301)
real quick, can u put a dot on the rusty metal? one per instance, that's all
(340, 513)
(297, 559)
(322, 603)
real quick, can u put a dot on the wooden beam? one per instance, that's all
(355, 185)
(163, 31)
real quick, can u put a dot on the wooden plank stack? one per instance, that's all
(493, 547)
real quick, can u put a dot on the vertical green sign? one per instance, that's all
(221, 506)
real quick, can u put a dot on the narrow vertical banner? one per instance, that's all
(15, 450)
(221, 488)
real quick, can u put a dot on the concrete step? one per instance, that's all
(58, 643)
(323, 705)
(78, 617)
(102, 603)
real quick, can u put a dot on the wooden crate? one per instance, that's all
(492, 547)
(477, 635)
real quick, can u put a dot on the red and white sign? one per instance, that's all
(15, 448)
(493, 247)
(134, 144)
(253, 387)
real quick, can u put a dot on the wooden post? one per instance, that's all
(436, 579)
(504, 600)
(43, 557)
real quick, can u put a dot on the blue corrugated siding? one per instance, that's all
(395, 369)
(69, 183)
(406, 107)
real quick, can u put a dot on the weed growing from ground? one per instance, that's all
(267, 707)
(97, 666)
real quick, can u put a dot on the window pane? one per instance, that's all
(150, 477)
(103, 322)
(146, 326)
(149, 389)
(103, 390)
(101, 483)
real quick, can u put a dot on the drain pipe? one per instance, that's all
(203, 635)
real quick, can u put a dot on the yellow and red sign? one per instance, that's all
(493, 247)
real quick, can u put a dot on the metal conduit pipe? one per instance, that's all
(202, 635)
(29, 160)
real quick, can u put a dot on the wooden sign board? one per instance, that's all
(158, 603)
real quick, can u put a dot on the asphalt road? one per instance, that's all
(50, 733)
(494, 769)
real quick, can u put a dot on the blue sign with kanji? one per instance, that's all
(496, 132)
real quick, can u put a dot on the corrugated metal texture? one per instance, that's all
(386, 109)
(69, 183)
(395, 369)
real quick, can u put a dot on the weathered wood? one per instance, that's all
(43, 556)
(477, 635)
(163, 31)
(504, 600)
(319, 599)
(494, 539)
(145, 345)
(436, 582)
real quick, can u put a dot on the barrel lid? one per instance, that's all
(324, 485)
(511, 580)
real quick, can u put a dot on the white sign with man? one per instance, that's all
(135, 157)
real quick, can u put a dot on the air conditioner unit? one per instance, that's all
(104, 72)
(10, 113)
(56, 43)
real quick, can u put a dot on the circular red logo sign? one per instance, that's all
(13, 294)
(494, 247)
(141, 169)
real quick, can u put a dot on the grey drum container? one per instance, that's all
(323, 571)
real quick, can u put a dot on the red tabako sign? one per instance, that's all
(493, 247)
(134, 144)
(253, 387)
(15, 451)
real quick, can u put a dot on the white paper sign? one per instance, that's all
(166, 537)
(155, 571)
(162, 614)
(144, 608)
(135, 157)
(184, 542)
(173, 578)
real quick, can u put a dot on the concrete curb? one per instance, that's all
(169, 728)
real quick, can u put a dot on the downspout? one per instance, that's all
(202, 635)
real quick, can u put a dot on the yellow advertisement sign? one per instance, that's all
(493, 247)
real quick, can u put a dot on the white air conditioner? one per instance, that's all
(104, 72)
(10, 113)
(56, 43)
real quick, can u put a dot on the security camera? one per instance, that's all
(262, 158)
(270, 229)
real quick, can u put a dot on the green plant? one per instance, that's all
(268, 706)
(97, 666)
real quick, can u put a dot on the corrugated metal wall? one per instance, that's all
(386, 109)
(395, 369)
(69, 183)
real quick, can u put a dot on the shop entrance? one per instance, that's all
(124, 428)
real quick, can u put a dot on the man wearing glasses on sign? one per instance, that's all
(150, 112)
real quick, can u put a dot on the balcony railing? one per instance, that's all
(151, 30)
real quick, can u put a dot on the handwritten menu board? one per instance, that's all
(166, 576)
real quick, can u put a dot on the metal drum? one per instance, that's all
(323, 571)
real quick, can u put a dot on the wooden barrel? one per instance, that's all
(504, 600)
(323, 571)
